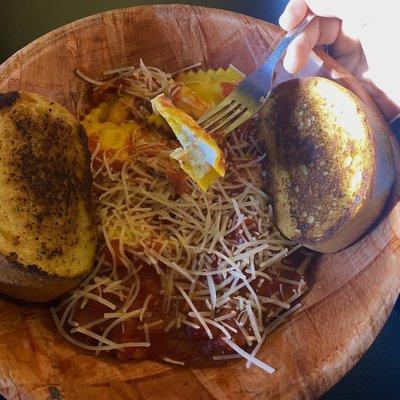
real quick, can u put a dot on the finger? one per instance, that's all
(347, 41)
(298, 51)
(293, 14)
(297, 9)
(329, 29)
(324, 32)
(332, 8)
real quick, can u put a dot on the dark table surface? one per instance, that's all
(377, 375)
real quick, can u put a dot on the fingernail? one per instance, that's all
(283, 21)
(288, 64)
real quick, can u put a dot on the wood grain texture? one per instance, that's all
(352, 291)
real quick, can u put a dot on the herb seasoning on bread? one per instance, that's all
(330, 164)
(47, 227)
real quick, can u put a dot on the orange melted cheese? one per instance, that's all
(211, 86)
(200, 157)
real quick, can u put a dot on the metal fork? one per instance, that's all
(251, 93)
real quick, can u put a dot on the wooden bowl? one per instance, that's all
(352, 291)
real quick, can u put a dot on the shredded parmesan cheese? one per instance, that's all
(249, 357)
(175, 362)
(214, 253)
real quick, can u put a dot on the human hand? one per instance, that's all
(361, 36)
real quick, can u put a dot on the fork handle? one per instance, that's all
(262, 77)
(395, 125)
(288, 38)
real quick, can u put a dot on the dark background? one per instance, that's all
(377, 375)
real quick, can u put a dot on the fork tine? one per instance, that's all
(251, 92)
(224, 114)
(219, 107)
(238, 121)
(224, 121)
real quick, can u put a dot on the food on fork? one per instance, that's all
(200, 157)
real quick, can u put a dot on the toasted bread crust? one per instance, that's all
(30, 283)
(47, 225)
(323, 159)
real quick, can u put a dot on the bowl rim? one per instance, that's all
(56, 33)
